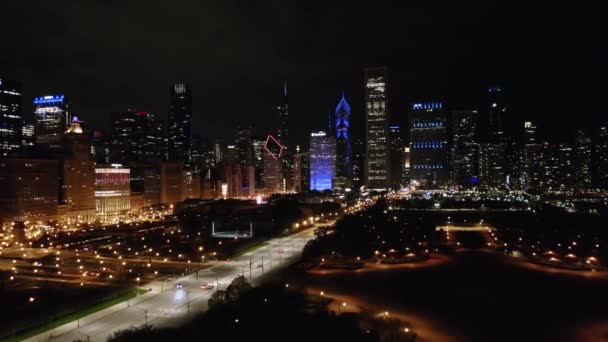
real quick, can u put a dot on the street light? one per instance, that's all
(342, 307)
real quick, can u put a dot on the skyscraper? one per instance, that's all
(395, 156)
(530, 159)
(283, 132)
(342, 127)
(358, 162)
(297, 170)
(273, 172)
(493, 153)
(558, 174)
(77, 177)
(52, 118)
(428, 145)
(601, 159)
(322, 160)
(582, 160)
(377, 116)
(29, 190)
(27, 134)
(244, 145)
(343, 152)
(258, 160)
(180, 123)
(136, 136)
(11, 116)
(100, 150)
(497, 112)
(465, 153)
(283, 138)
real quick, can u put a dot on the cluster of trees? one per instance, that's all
(267, 313)
(233, 292)
(361, 234)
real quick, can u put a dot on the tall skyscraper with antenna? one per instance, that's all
(283, 138)
(283, 133)
(180, 123)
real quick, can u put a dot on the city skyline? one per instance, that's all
(486, 49)
(366, 171)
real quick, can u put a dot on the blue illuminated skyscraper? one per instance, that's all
(52, 117)
(322, 161)
(342, 127)
(428, 145)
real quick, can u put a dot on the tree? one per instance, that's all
(218, 298)
(143, 333)
(238, 286)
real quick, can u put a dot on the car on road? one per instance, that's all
(208, 286)
(179, 285)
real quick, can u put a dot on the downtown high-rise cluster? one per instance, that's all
(54, 169)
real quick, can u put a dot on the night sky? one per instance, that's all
(111, 55)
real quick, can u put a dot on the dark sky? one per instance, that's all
(109, 55)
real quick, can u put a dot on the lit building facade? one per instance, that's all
(77, 181)
(377, 117)
(358, 162)
(530, 159)
(52, 119)
(601, 160)
(273, 171)
(136, 137)
(244, 145)
(112, 191)
(171, 182)
(11, 116)
(322, 161)
(28, 135)
(191, 184)
(494, 158)
(558, 175)
(258, 160)
(29, 190)
(465, 148)
(582, 159)
(180, 123)
(405, 172)
(428, 145)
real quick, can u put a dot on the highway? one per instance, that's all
(166, 305)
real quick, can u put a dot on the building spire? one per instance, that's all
(285, 89)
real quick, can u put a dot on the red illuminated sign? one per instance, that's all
(274, 147)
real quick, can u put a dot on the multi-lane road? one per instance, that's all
(168, 304)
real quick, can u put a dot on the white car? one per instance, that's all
(208, 286)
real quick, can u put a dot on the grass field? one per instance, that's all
(70, 317)
(249, 246)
